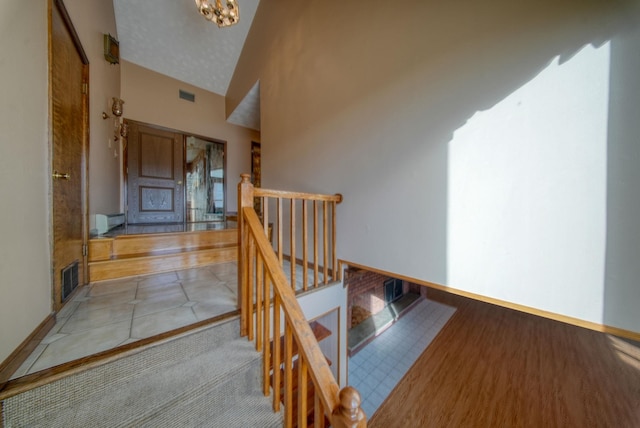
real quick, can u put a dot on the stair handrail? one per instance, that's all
(259, 264)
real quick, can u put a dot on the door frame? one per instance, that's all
(84, 168)
(125, 163)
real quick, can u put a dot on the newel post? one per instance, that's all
(245, 199)
(348, 414)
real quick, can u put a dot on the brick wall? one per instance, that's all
(366, 290)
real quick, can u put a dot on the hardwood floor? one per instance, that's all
(495, 367)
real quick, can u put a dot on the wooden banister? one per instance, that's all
(296, 212)
(260, 269)
(349, 414)
(260, 192)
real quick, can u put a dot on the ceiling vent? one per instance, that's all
(187, 96)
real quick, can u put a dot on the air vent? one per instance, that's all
(187, 96)
(69, 279)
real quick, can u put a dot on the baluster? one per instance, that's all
(325, 234)
(265, 218)
(334, 256)
(267, 336)
(288, 375)
(348, 413)
(243, 292)
(305, 250)
(292, 243)
(280, 255)
(259, 290)
(277, 381)
(250, 271)
(245, 199)
(318, 411)
(302, 391)
(315, 244)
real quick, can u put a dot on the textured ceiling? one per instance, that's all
(172, 38)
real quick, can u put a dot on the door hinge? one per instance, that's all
(85, 88)
(84, 251)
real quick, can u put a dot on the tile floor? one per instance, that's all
(108, 314)
(378, 367)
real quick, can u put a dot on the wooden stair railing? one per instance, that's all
(260, 269)
(320, 332)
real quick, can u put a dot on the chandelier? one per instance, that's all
(224, 13)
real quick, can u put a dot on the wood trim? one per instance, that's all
(22, 352)
(126, 267)
(100, 249)
(259, 192)
(72, 31)
(633, 335)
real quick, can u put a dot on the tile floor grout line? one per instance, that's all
(362, 376)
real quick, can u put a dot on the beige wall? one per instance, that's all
(402, 112)
(92, 19)
(24, 172)
(153, 98)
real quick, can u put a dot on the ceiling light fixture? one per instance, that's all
(224, 13)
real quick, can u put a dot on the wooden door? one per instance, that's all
(69, 115)
(155, 175)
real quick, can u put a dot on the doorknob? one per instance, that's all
(64, 176)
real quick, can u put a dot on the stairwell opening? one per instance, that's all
(375, 302)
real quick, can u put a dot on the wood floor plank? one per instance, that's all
(496, 367)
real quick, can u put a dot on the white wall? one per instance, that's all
(621, 284)
(401, 113)
(526, 213)
(331, 299)
(153, 98)
(24, 172)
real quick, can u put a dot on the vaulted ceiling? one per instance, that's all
(172, 38)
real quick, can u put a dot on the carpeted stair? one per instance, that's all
(205, 378)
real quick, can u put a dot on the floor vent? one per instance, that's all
(69, 279)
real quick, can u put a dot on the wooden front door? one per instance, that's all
(155, 175)
(69, 115)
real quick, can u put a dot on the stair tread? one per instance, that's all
(153, 390)
(163, 382)
(250, 410)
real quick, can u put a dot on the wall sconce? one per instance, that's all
(120, 128)
(116, 107)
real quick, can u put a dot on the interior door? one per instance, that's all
(155, 175)
(69, 115)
